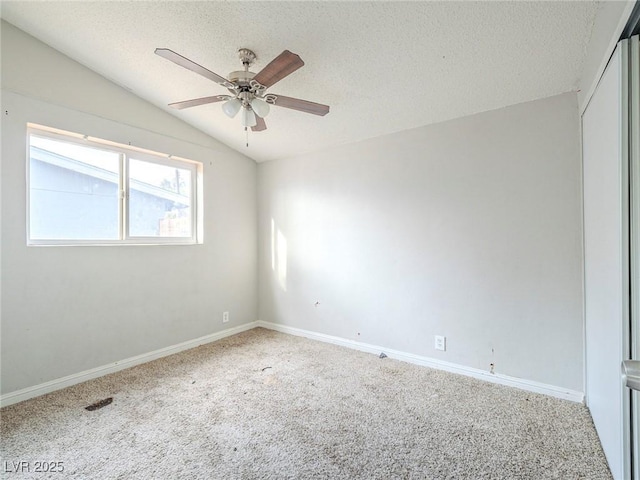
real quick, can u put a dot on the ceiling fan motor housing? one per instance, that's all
(241, 77)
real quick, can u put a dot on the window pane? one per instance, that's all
(159, 200)
(73, 191)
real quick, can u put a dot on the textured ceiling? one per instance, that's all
(381, 66)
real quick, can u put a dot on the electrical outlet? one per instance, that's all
(441, 342)
(225, 317)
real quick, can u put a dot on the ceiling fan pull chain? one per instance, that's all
(246, 132)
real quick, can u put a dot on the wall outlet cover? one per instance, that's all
(440, 342)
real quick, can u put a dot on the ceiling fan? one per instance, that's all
(248, 89)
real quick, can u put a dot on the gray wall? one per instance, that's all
(70, 309)
(469, 229)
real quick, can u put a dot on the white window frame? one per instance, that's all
(126, 153)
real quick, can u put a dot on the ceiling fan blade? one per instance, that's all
(199, 101)
(297, 104)
(189, 65)
(260, 126)
(281, 66)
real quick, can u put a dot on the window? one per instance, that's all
(84, 190)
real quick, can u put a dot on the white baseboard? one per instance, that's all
(520, 383)
(59, 383)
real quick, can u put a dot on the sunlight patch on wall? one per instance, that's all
(282, 261)
(279, 255)
(273, 244)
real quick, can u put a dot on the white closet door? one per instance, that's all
(634, 174)
(606, 274)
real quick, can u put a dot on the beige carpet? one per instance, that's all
(266, 405)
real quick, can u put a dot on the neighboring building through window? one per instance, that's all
(85, 190)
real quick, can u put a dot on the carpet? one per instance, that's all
(266, 405)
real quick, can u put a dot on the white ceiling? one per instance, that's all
(381, 66)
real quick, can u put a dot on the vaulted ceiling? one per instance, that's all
(381, 66)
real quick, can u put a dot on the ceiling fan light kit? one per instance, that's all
(231, 107)
(260, 107)
(248, 89)
(248, 118)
